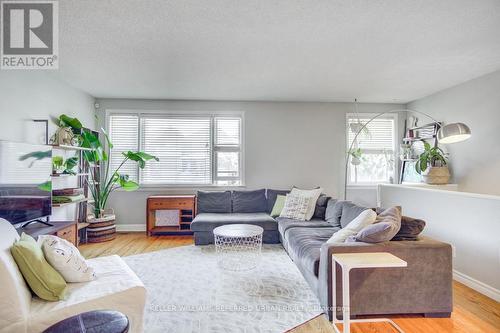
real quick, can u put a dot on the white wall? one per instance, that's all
(475, 164)
(469, 222)
(286, 144)
(27, 95)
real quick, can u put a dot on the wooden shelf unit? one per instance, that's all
(185, 204)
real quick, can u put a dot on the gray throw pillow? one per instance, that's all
(333, 212)
(320, 209)
(410, 229)
(249, 201)
(349, 212)
(213, 202)
(271, 197)
(384, 229)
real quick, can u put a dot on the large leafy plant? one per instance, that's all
(97, 153)
(431, 157)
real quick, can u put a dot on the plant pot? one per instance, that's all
(436, 175)
(355, 161)
(101, 229)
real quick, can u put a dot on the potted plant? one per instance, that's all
(356, 155)
(111, 180)
(432, 165)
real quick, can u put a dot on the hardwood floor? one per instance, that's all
(472, 311)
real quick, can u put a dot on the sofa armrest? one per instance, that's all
(424, 286)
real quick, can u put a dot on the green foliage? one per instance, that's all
(356, 153)
(67, 166)
(432, 156)
(97, 153)
(47, 186)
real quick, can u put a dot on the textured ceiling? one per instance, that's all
(276, 50)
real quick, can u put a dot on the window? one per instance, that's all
(372, 158)
(198, 149)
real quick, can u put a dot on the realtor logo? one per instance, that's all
(29, 35)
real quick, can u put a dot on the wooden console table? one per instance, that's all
(184, 204)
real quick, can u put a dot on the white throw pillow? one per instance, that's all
(366, 217)
(66, 259)
(295, 207)
(313, 195)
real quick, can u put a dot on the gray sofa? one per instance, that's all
(424, 287)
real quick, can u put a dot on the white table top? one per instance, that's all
(238, 230)
(368, 260)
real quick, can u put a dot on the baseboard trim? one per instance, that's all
(477, 285)
(131, 228)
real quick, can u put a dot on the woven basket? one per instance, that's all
(101, 229)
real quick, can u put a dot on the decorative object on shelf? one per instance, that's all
(94, 154)
(406, 152)
(68, 132)
(432, 165)
(61, 166)
(450, 133)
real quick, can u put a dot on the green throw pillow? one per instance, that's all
(278, 205)
(43, 280)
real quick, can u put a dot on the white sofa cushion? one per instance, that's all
(312, 195)
(66, 259)
(15, 295)
(116, 287)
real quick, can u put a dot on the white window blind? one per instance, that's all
(193, 149)
(378, 136)
(183, 147)
(377, 144)
(124, 134)
(227, 150)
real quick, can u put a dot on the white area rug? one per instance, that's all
(188, 293)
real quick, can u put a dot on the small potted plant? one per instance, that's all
(356, 155)
(432, 165)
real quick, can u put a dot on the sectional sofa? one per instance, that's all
(424, 287)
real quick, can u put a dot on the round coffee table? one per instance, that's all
(238, 246)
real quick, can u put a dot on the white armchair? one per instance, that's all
(116, 287)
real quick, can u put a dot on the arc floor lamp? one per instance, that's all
(447, 134)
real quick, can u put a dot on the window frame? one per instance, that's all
(370, 115)
(191, 113)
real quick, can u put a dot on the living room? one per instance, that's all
(257, 166)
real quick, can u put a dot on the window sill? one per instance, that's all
(370, 186)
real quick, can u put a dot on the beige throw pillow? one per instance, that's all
(312, 195)
(66, 259)
(296, 207)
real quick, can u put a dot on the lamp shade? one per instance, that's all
(454, 132)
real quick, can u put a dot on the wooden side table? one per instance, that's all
(348, 261)
(184, 205)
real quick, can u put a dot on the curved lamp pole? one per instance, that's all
(451, 133)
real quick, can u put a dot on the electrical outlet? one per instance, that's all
(453, 251)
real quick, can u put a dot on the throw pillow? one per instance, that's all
(296, 207)
(66, 259)
(349, 212)
(42, 278)
(320, 209)
(249, 201)
(312, 195)
(410, 229)
(278, 206)
(334, 212)
(366, 217)
(213, 202)
(271, 197)
(384, 229)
